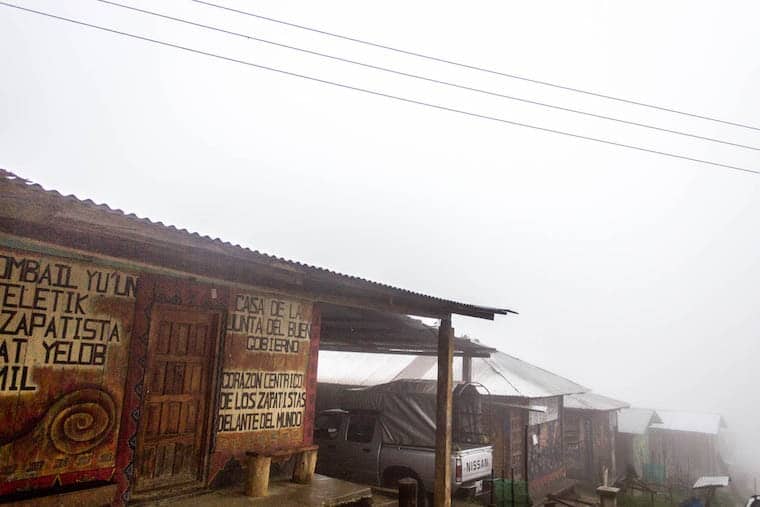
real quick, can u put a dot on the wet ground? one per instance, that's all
(322, 492)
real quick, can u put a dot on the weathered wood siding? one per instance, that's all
(541, 456)
(684, 456)
(589, 440)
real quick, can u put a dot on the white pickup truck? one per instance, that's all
(381, 445)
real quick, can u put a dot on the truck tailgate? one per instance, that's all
(475, 463)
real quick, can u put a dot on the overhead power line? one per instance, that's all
(425, 78)
(377, 93)
(476, 67)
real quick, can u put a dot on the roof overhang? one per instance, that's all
(30, 211)
(347, 329)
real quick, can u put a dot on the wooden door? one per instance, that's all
(174, 423)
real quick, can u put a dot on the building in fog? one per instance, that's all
(632, 447)
(527, 407)
(590, 428)
(686, 446)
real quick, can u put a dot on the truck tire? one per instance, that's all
(392, 475)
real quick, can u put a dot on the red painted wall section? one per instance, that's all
(134, 389)
(151, 290)
(311, 381)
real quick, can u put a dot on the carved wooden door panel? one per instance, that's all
(174, 421)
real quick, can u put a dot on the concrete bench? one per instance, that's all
(257, 480)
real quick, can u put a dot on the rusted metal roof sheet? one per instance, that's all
(696, 422)
(24, 201)
(593, 401)
(637, 421)
(501, 374)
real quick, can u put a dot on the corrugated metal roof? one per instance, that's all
(697, 422)
(718, 481)
(361, 369)
(506, 375)
(501, 374)
(361, 330)
(593, 401)
(636, 420)
(150, 228)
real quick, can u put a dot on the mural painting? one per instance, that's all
(64, 339)
(265, 374)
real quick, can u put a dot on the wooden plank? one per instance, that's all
(442, 491)
(171, 439)
(467, 368)
(257, 478)
(364, 345)
(162, 398)
(100, 495)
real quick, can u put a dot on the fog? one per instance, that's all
(634, 274)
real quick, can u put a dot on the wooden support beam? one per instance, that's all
(467, 368)
(442, 491)
(257, 479)
(365, 344)
(306, 463)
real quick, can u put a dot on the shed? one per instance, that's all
(591, 422)
(143, 361)
(632, 446)
(686, 445)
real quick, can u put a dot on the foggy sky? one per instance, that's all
(635, 275)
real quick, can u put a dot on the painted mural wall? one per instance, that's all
(266, 357)
(65, 331)
(268, 378)
(74, 359)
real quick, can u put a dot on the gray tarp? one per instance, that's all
(407, 411)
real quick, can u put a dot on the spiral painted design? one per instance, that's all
(81, 420)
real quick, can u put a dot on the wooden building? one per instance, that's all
(686, 446)
(591, 422)
(526, 408)
(632, 445)
(140, 361)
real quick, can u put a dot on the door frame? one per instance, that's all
(209, 430)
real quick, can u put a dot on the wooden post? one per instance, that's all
(442, 491)
(607, 496)
(466, 368)
(257, 480)
(306, 462)
(407, 492)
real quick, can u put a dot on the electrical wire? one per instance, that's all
(478, 68)
(424, 78)
(377, 93)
